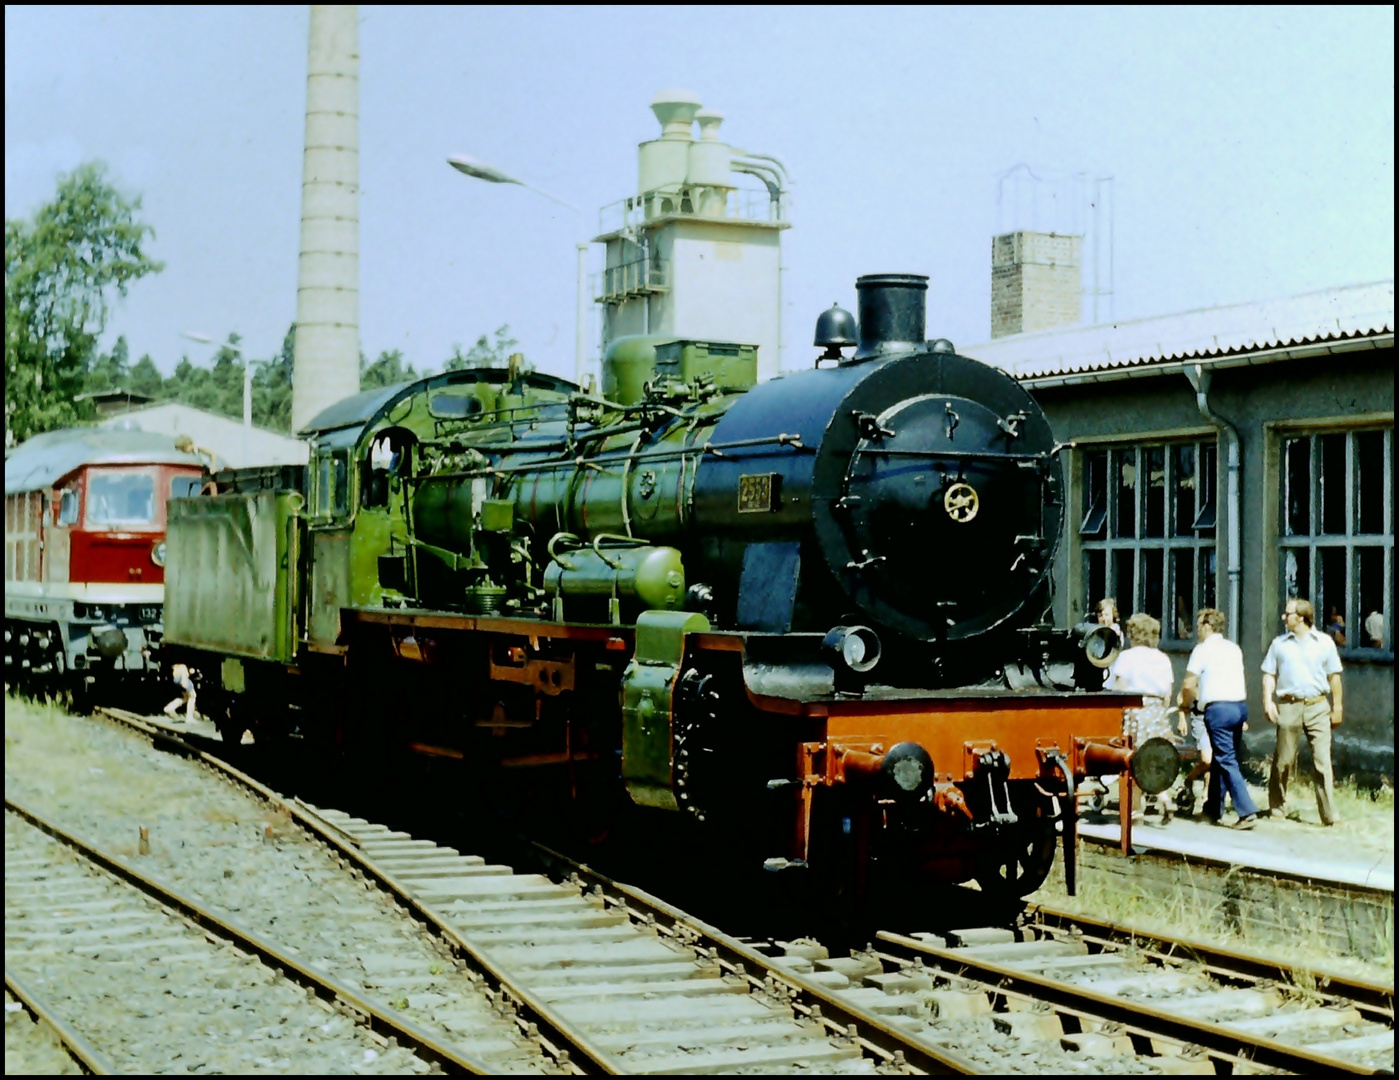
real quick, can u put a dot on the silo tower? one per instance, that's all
(694, 255)
(326, 364)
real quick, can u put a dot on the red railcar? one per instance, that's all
(85, 513)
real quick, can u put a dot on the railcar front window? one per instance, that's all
(121, 499)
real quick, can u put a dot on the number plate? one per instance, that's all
(757, 493)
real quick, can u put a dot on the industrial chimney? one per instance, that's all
(1035, 282)
(326, 364)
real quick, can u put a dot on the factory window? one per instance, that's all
(1146, 529)
(1336, 546)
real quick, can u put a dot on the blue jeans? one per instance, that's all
(1224, 720)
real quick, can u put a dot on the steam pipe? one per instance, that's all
(765, 157)
(765, 173)
(1199, 377)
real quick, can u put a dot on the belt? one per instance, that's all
(1292, 699)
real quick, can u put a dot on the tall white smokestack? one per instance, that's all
(326, 364)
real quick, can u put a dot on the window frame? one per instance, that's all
(1102, 508)
(1351, 541)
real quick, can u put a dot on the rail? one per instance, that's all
(556, 1037)
(1023, 967)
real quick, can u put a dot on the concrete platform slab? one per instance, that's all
(613, 975)
(776, 1030)
(1279, 847)
(650, 1014)
(636, 949)
(809, 1056)
(672, 988)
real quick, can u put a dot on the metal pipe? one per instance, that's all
(857, 764)
(1199, 377)
(1104, 759)
(769, 178)
(765, 157)
(580, 349)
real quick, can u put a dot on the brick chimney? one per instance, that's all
(1035, 282)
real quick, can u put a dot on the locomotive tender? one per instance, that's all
(806, 613)
(85, 553)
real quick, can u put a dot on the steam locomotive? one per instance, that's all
(806, 615)
(85, 555)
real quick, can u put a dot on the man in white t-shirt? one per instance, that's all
(1302, 667)
(1214, 677)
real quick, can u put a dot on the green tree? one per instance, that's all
(485, 353)
(389, 369)
(60, 268)
(145, 378)
(110, 371)
(272, 387)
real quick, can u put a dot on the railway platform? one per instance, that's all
(1357, 853)
(1284, 885)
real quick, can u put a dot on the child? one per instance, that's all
(180, 674)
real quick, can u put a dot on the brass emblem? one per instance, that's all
(961, 503)
(755, 493)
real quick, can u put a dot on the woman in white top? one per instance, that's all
(1144, 669)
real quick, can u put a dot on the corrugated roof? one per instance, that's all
(1354, 311)
(42, 461)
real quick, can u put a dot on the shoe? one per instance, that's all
(1246, 822)
(1336, 821)
(1280, 815)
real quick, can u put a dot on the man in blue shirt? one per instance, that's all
(1301, 668)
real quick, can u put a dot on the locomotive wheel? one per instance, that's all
(1022, 857)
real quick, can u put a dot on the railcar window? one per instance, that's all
(120, 499)
(184, 486)
(1336, 542)
(67, 508)
(1147, 532)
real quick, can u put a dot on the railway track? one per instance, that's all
(137, 978)
(623, 982)
(605, 978)
(39, 1043)
(1232, 1006)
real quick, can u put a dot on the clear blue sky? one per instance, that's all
(1252, 150)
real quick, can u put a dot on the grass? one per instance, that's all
(1227, 911)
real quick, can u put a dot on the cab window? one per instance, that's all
(184, 486)
(120, 498)
(333, 484)
(67, 507)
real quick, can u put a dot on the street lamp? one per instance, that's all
(479, 170)
(205, 339)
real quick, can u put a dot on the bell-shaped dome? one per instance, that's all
(836, 329)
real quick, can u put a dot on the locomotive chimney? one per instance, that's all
(893, 314)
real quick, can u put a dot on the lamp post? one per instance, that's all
(472, 167)
(205, 339)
